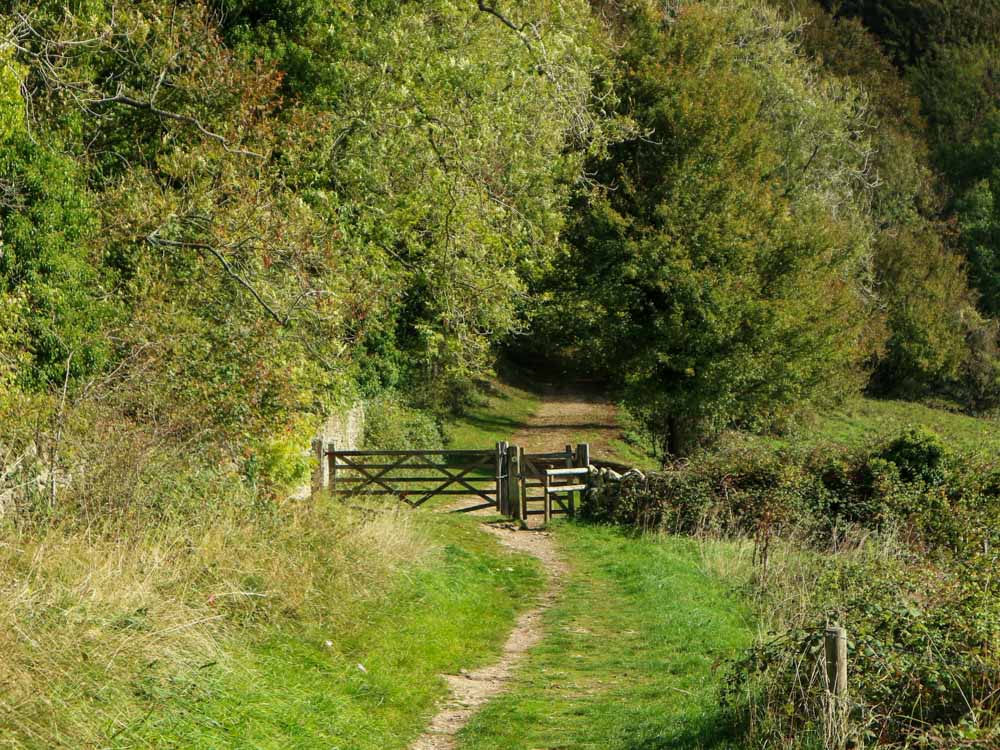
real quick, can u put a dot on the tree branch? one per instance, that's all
(121, 98)
(519, 30)
(155, 239)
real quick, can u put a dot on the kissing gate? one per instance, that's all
(515, 483)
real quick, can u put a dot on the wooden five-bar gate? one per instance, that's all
(515, 483)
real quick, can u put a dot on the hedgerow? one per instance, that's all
(898, 542)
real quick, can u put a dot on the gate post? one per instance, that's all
(514, 481)
(331, 457)
(582, 461)
(501, 485)
(319, 473)
(547, 499)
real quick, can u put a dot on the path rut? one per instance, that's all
(469, 691)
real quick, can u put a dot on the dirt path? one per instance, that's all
(471, 690)
(561, 418)
(566, 417)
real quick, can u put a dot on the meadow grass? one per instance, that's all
(863, 420)
(857, 423)
(631, 649)
(324, 628)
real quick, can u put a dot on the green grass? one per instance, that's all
(865, 419)
(633, 454)
(162, 641)
(862, 421)
(857, 423)
(370, 688)
(628, 660)
(500, 411)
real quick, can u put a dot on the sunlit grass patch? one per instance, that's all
(631, 651)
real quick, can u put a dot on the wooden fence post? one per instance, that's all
(582, 461)
(522, 490)
(319, 473)
(513, 494)
(836, 660)
(547, 498)
(331, 458)
(835, 649)
(501, 459)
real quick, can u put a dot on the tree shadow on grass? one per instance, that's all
(492, 422)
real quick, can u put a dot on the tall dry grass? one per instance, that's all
(94, 620)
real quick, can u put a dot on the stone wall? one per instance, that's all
(346, 430)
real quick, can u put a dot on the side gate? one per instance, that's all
(551, 483)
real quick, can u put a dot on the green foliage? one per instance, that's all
(895, 541)
(918, 454)
(391, 424)
(228, 217)
(922, 651)
(942, 499)
(958, 88)
(721, 276)
(47, 280)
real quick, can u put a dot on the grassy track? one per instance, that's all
(497, 415)
(628, 658)
(372, 687)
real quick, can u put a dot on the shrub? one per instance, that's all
(919, 455)
(391, 424)
(923, 652)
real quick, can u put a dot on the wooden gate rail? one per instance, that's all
(563, 481)
(377, 472)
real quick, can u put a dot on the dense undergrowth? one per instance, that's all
(897, 541)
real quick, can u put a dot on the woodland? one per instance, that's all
(223, 220)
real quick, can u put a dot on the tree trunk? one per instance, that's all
(682, 435)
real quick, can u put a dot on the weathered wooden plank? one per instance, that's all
(372, 478)
(513, 482)
(484, 467)
(477, 453)
(331, 459)
(575, 471)
(412, 493)
(437, 478)
(454, 479)
(481, 506)
(501, 459)
(548, 500)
